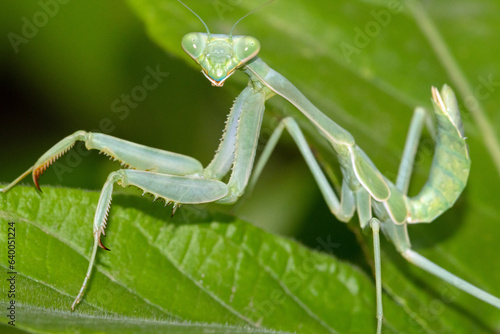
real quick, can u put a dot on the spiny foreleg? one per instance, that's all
(130, 155)
(171, 188)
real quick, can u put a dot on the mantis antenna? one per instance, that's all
(249, 13)
(192, 11)
(231, 33)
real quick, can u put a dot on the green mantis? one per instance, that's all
(183, 171)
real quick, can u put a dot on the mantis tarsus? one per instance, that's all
(364, 181)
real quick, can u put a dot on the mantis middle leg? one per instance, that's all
(358, 198)
(402, 183)
(344, 208)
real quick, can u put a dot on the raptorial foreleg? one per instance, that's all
(172, 188)
(128, 153)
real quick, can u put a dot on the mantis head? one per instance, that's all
(219, 55)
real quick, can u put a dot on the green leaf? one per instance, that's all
(197, 267)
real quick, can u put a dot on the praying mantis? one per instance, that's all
(436, 99)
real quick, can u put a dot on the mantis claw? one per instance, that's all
(102, 246)
(48, 159)
(36, 177)
(38, 171)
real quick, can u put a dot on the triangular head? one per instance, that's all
(219, 55)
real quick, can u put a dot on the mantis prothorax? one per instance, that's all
(181, 179)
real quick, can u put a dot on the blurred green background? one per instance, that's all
(67, 76)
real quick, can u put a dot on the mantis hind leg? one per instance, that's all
(410, 150)
(375, 226)
(423, 263)
(397, 231)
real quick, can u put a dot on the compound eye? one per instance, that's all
(246, 48)
(194, 44)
